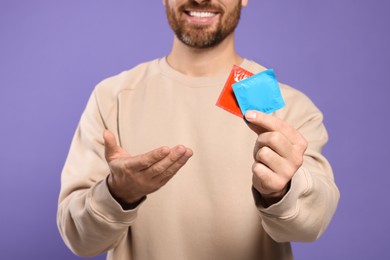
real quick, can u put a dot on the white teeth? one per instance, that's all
(201, 14)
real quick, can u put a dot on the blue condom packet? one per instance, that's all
(259, 92)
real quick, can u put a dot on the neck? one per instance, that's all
(208, 62)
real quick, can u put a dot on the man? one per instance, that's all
(157, 171)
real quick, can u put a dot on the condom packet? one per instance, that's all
(259, 92)
(227, 99)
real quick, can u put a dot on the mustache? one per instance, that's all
(204, 6)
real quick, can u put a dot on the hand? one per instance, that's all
(133, 177)
(278, 153)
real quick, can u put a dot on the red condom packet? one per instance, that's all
(227, 100)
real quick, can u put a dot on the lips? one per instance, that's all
(201, 14)
(201, 17)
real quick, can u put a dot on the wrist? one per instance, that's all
(269, 199)
(128, 202)
(130, 205)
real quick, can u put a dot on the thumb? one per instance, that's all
(111, 149)
(250, 117)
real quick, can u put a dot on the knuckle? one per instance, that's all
(255, 168)
(173, 158)
(279, 185)
(264, 153)
(274, 137)
(144, 163)
(128, 164)
(276, 123)
(260, 139)
(289, 171)
(297, 159)
(303, 143)
(157, 169)
(258, 169)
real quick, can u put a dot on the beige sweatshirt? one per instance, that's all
(207, 211)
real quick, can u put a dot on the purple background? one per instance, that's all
(53, 52)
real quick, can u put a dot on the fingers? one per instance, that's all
(271, 159)
(175, 167)
(145, 161)
(171, 164)
(260, 121)
(161, 161)
(154, 162)
(133, 177)
(276, 141)
(265, 180)
(278, 152)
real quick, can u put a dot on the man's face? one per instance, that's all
(203, 24)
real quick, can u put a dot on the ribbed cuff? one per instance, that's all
(288, 206)
(102, 203)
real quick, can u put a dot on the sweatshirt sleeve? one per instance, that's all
(306, 210)
(89, 219)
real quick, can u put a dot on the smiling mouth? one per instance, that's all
(201, 14)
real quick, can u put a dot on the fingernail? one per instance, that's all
(250, 115)
(180, 151)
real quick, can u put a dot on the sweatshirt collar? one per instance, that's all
(189, 81)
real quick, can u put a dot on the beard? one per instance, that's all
(203, 36)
